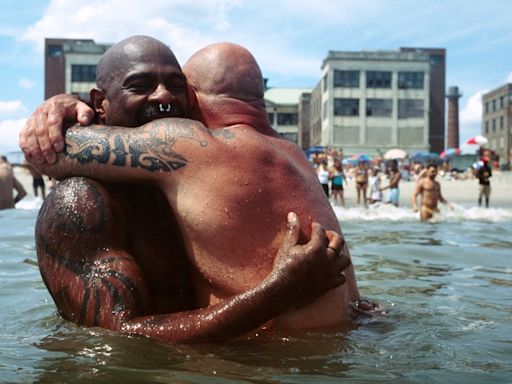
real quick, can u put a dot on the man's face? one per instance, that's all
(432, 173)
(149, 86)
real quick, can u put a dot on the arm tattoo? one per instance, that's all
(151, 148)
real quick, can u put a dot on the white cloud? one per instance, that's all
(12, 108)
(26, 83)
(471, 117)
(9, 132)
(509, 78)
(185, 26)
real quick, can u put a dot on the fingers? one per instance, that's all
(318, 236)
(84, 114)
(336, 241)
(43, 136)
(291, 237)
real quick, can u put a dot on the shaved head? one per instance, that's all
(225, 69)
(116, 61)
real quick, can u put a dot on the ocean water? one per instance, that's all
(447, 286)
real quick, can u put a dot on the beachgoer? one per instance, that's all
(8, 184)
(323, 176)
(361, 175)
(430, 191)
(337, 177)
(266, 308)
(484, 173)
(394, 180)
(375, 184)
(37, 180)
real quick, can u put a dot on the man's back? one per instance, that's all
(245, 179)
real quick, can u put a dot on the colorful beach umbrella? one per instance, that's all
(449, 153)
(395, 154)
(478, 139)
(362, 157)
(422, 156)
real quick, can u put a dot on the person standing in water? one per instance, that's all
(430, 191)
(8, 184)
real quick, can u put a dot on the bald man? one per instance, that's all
(253, 178)
(112, 256)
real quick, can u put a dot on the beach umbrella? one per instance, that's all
(449, 153)
(362, 157)
(478, 139)
(349, 160)
(394, 154)
(422, 156)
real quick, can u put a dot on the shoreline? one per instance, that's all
(462, 192)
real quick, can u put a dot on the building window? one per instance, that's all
(326, 77)
(346, 79)
(346, 107)
(436, 60)
(501, 123)
(502, 102)
(271, 117)
(494, 125)
(486, 127)
(378, 79)
(83, 73)
(289, 136)
(410, 80)
(55, 50)
(408, 108)
(287, 119)
(379, 107)
(486, 107)
(494, 105)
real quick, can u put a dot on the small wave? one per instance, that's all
(30, 203)
(455, 213)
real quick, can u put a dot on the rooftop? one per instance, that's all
(285, 95)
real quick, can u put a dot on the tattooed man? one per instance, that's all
(112, 254)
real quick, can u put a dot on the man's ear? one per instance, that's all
(98, 103)
(192, 101)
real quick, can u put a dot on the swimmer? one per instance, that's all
(430, 191)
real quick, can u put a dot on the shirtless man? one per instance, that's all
(179, 155)
(8, 183)
(394, 180)
(126, 282)
(430, 191)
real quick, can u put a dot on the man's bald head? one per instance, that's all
(135, 49)
(225, 69)
(139, 80)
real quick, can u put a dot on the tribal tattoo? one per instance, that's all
(152, 149)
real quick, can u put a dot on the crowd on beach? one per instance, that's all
(368, 175)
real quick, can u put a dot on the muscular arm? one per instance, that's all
(150, 153)
(417, 191)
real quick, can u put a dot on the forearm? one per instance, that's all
(226, 320)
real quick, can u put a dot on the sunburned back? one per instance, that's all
(232, 203)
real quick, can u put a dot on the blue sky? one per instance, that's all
(289, 38)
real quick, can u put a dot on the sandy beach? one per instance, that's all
(463, 192)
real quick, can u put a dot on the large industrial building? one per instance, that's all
(497, 121)
(377, 100)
